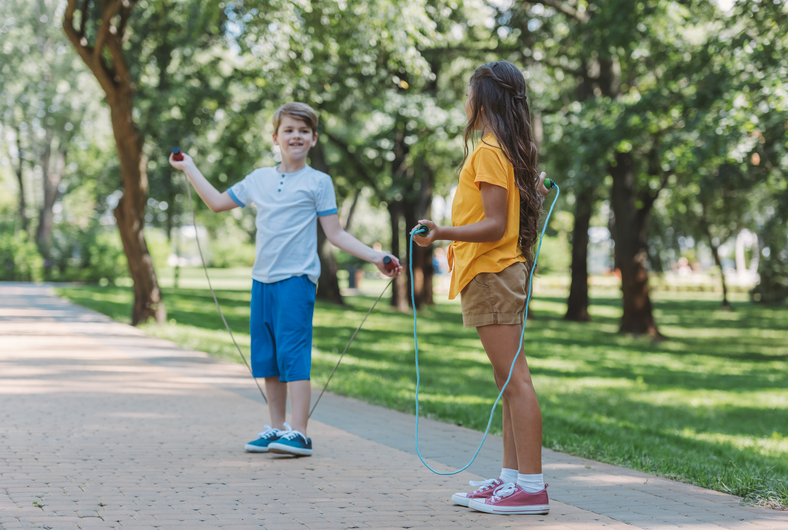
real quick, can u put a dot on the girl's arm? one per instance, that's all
(216, 201)
(491, 228)
(344, 241)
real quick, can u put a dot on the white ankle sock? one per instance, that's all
(508, 475)
(531, 483)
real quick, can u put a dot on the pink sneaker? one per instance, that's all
(512, 499)
(485, 489)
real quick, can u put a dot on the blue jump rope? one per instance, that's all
(422, 230)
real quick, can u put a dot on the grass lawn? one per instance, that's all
(708, 406)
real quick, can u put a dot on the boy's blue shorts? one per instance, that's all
(281, 328)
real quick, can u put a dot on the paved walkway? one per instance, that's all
(103, 427)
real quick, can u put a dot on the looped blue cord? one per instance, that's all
(522, 333)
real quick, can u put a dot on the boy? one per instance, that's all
(289, 198)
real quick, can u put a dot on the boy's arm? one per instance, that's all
(344, 241)
(216, 201)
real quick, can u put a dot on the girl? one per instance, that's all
(494, 227)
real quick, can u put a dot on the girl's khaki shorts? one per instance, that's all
(495, 297)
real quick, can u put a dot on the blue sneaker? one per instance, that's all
(265, 438)
(292, 443)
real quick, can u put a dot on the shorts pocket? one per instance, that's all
(481, 279)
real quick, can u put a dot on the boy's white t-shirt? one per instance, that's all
(288, 205)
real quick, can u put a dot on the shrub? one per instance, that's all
(91, 256)
(19, 258)
(225, 253)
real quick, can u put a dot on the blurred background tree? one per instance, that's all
(664, 123)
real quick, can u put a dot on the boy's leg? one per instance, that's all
(293, 332)
(263, 351)
(276, 391)
(501, 343)
(300, 397)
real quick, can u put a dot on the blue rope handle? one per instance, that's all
(522, 333)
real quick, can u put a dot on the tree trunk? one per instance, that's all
(106, 59)
(52, 180)
(715, 251)
(422, 265)
(400, 295)
(630, 238)
(130, 213)
(328, 283)
(577, 303)
(20, 178)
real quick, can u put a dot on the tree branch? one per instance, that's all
(103, 74)
(568, 69)
(84, 18)
(566, 9)
(109, 11)
(356, 163)
(125, 13)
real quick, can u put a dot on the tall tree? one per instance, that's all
(103, 33)
(641, 62)
(38, 104)
(99, 40)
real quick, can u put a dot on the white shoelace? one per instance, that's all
(268, 430)
(504, 491)
(482, 485)
(292, 435)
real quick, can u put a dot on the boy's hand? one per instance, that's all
(394, 271)
(424, 241)
(181, 164)
(541, 187)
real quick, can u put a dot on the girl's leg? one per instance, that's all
(276, 391)
(509, 448)
(300, 396)
(501, 343)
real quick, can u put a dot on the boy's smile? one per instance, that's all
(294, 138)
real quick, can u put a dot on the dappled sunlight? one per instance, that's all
(773, 445)
(597, 479)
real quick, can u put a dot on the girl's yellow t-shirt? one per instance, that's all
(488, 164)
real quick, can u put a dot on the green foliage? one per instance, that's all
(227, 253)
(773, 265)
(706, 406)
(555, 255)
(89, 255)
(19, 259)
(158, 246)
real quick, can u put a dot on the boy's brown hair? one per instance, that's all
(297, 111)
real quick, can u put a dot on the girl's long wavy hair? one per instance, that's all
(498, 103)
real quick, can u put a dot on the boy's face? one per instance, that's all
(294, 138)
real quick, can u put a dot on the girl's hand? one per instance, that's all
(541, 187)
(394, 271)
(424, 241)
(181, 164)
